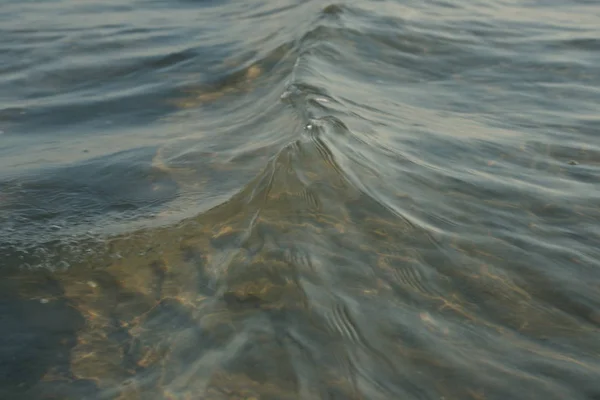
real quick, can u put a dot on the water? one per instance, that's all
(299, 200)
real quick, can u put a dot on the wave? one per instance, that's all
(382, 203)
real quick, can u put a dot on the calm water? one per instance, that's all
(291, 199)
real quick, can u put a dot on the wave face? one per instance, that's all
(300, 200)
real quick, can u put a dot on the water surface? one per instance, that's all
(299, 199)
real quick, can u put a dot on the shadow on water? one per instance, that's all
(39, 329)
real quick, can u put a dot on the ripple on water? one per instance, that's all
(342, 201)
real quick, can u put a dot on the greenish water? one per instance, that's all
(299, 200)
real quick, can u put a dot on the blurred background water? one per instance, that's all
(291, 199)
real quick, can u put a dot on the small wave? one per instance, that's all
(351, 199)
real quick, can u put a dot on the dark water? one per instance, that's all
(285, 199)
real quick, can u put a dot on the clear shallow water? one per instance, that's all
(282, 200)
